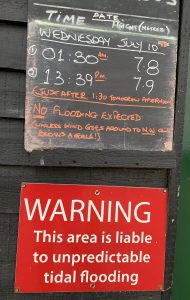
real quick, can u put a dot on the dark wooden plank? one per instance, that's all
(13, 46)
(8, 237)
(12, 94)
(13, 10)
(13, 153)
(4, 234)
(11, 178)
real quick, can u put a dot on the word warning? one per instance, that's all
(91, 238)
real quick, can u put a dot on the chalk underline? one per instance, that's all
(105, 12)
(100, 103)
(102, 47)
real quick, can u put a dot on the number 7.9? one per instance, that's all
(149, 84)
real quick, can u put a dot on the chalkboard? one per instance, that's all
(101, 74)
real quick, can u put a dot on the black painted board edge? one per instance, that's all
(174, 177)
(86, 159)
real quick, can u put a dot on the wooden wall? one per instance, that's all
(62, 166)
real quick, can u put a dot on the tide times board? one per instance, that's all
(101, 75)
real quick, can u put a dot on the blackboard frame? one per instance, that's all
(106, 110)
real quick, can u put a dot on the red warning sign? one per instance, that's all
(91, 238)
